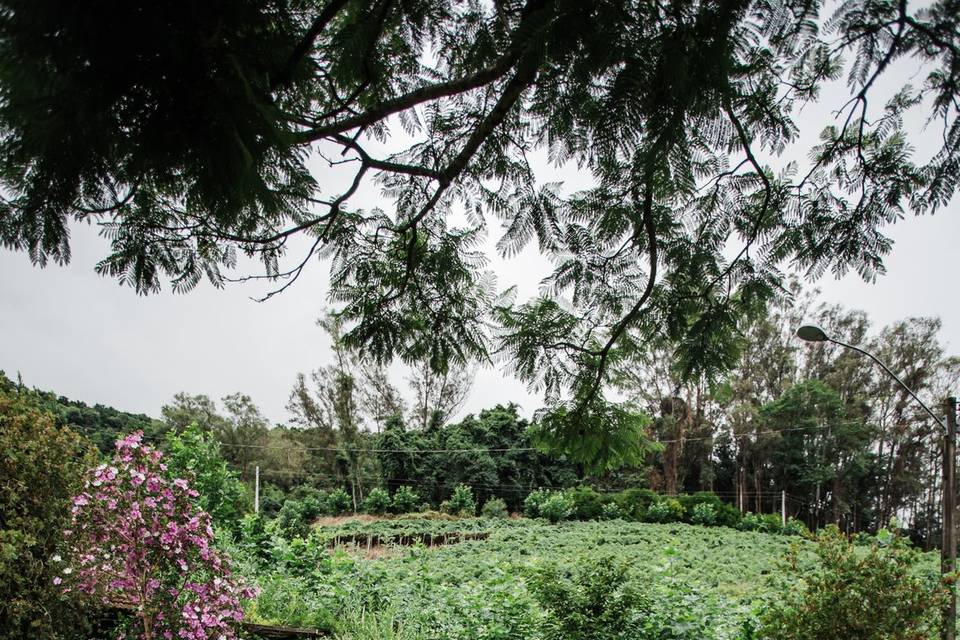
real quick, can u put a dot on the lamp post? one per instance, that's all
(948, 548)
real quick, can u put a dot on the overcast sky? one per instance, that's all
(86, 337)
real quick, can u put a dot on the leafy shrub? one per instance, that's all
(338, 502)
(296, 516)
(138, 537)
(494, 508)
(665, 510)
(41, 465)
(255, 539)
(587, 503)
(727, 515)
(597, 601)
(750, 522)
(795, 527)
(689, 501)
(556, 507)
(195, 455)
(461, 503)
(377, 502)
(305, 491)
(611, 511)
(634, 503)
(771, 523)
(272, 498)
(704, 514)
(405, 500)
(881, 593)
(531, 504)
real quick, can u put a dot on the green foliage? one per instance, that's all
(704, 514)
(100, 424)
(494, 508)
(635, 502)
(610, 511)
(795, 527)
(617, 436)
(377, 502)
(338, 502)
(594, 602)
(665, 510)
(497, 453)
(202, 154)
(296, 516)
(531, 504)
(461, 502)
(587, 503)
(271, 499)
(771, 523)
(405, 500)
(42, 465)
(699, 583)
(255, 539)
(750, 522)
(195, 455)
(557, 506)
(882, 592)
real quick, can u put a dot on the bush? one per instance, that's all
(771, 523)
(665, 510)
(750, 522)
(587, 503)
(597, 602)
(689, 501)
(195, 455)
(795, 527)
(634, 503)
(461, 503)
(611, 511)
(494, 508)
(727, 515)
(41, 465)
(704, 514)
(296, 516)
(886, 592)
(556, 507)
(405, 500)
(338, 502)
(377, 502)
(272, 498)
(138, 537)
(531, 504)
(254, 537)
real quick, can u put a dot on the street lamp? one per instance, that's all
(948, 548)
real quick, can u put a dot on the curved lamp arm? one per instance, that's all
(894, 376)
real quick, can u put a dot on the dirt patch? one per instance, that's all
(333, 521)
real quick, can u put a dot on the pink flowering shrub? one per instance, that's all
(137, 540)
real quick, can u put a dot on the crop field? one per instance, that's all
(437, 580)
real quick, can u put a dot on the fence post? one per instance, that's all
(256, 490)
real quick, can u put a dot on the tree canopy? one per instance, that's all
(184, 130)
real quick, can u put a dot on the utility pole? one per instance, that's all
(783, 507)
(256, 490)
(948, 550)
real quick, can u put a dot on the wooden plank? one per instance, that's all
(280, 632)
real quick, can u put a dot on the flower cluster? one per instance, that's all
(137, 540)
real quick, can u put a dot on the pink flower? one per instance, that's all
(136, 527)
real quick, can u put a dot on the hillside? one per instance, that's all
(102, 424)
